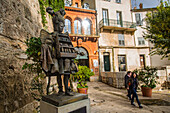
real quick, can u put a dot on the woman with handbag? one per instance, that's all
(132, 85)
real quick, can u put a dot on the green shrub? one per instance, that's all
(148, 76)
(82, 76)
(34, 65)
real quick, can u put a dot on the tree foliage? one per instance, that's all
(158, 29)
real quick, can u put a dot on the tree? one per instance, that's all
(158, 29)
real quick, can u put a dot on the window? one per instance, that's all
(77, 27)
(142, 61)
(87, 27)
(141, 41)
(118, 1)
(122, 62)
(119, 19)
(67, 27)
(121, 39)
(76, 5)
(105, 17)
(138, 19)
(86, 6)
(106, 61)
(67, 2)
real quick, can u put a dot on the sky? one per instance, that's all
(146, 3)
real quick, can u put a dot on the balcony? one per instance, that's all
(116, 25)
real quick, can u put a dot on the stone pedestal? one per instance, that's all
(79, 103)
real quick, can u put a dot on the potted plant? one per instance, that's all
(148, 77)
(82, 76)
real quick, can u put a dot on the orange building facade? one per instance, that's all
(80, 23)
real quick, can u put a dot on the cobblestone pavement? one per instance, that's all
(106, 99)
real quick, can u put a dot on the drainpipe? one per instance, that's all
(113, 60)
(97, 33)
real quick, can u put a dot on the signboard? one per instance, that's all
(95, 63)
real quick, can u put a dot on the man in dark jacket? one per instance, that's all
(132, 85)
(127, 76)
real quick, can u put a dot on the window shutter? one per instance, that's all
(121, 39)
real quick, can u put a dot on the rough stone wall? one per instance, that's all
(19, 20)
(115, 79)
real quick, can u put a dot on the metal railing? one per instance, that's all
(116, 23)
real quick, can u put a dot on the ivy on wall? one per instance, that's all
(55, 4)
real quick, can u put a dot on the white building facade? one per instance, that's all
(139, 16)
(119, 48)
(163, 65)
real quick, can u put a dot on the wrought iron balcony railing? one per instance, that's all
(116, 23)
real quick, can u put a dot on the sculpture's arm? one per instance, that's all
(50, 11)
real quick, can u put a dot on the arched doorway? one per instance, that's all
(83, 60)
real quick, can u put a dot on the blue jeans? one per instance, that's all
(134, 94)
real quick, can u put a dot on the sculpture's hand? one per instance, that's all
(50, 11)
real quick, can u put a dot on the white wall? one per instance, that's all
(112, 6)
(111, 39)
(140, 30)
(156, 60)
(132, 58)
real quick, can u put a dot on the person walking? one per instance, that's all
(132, 85)
(127, 76)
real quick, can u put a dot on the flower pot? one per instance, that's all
(147, 91)
(82, 90)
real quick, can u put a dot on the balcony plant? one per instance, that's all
(148, 77)
(82, 76)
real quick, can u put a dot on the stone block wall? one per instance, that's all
(19, 20)
(115, 79)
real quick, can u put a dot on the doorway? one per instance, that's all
(106, 61)
(142, 61)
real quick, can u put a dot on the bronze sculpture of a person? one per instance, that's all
(54, 50)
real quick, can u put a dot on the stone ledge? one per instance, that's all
(81, 106)
(56, 100)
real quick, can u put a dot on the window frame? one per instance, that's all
(144, 60)
(141, 41)
(77, 27)
(69, 2)
(69, 27)
(89, 30)
(121, 40)
(140, 21)
(87, 6)
(105, 19)
(120, 21)
(124, 64)
(76, 5)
